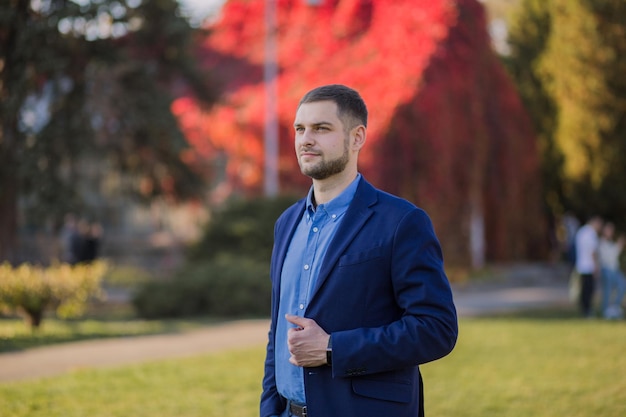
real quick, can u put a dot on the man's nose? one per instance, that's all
(306, 138)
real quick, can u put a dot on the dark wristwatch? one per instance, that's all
(329, 352)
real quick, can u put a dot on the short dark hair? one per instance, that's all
(351, 108)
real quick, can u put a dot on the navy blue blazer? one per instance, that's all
(383, 295)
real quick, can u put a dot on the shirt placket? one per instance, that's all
(306, 283)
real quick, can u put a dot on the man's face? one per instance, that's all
(320, 140)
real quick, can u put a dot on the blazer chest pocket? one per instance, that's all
(361, 257)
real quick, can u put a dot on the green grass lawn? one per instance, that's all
(508, 366)
(531, 367)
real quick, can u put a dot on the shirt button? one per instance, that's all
(315, 229)
(301, 306)
(334, 216)
(306, 267)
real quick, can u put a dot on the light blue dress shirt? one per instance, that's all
(299, 274)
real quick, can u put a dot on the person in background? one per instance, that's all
(570, 226)
(68, 234)
(359, 294)
(77, 244)
(613, 281)
(587, 264)
(91, 243)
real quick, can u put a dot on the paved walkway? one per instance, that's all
(477, 302)
(514, 293)
(57, 359)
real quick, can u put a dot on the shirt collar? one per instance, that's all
(337, 205)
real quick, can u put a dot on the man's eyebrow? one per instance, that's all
(315, 124)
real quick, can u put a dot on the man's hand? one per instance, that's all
(307, 342)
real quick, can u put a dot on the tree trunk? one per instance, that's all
(34, 318)
(8, 200)
(12, 82)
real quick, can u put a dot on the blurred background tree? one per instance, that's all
(568, 58)
(449, 130)
(86, 87)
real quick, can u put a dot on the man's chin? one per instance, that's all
(313, 174)
(309, 171)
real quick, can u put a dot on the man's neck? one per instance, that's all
(329, 188)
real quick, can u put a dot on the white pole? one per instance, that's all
(271, 97)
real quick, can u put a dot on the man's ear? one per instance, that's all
(358, 137)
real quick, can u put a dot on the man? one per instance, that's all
(587, 263)
(359, 297)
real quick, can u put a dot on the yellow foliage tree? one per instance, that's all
(568, 58)
(31, 289)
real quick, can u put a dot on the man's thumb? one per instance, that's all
(298, 321)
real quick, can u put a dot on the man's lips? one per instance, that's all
(307, 155)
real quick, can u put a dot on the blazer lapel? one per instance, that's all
(357, 214)
(285, 235)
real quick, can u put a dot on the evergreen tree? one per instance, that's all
(90, 84)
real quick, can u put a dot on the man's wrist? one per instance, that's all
(329, 352)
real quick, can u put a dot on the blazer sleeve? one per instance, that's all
(427, 327)
(272, 403)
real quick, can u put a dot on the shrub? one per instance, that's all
(227, 273)
(126, 276)
(242, 227)
(228, 286)
(31, 290)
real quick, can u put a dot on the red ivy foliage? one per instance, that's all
(446, 130)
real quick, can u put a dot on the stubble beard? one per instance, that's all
(326, 169)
